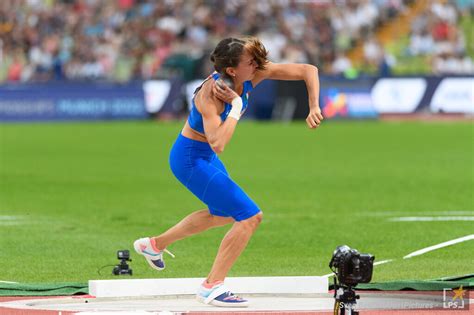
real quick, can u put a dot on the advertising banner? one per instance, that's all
(454, 95)
(71, 101)
(398, 95)
(366, 97)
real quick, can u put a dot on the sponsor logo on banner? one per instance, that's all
(27, 108)
(347, 103)
(100, 108)
(454, 95)
(156, 93)
(398, 95)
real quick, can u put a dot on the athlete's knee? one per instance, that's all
(258, 217)
(253, 222)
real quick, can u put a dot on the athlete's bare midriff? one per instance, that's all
(190, 133)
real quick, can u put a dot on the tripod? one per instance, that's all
(346, 299)
(123, 268)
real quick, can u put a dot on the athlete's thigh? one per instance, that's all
(219, 165)
(213, 186)
(224, 196)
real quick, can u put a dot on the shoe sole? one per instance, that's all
(222, 304)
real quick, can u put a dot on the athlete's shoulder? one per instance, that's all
(206, 101)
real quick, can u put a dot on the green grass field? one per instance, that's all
(72, 194)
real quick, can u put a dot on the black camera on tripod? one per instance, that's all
(350, 268)
(123, 268)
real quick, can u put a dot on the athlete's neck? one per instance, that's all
(238, 87)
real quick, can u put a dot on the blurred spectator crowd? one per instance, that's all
(121, 40)
(436, 33)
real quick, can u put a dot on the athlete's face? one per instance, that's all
(246, 68)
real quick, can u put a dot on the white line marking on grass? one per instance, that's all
(431, 219)
(8, 220)
(7, 281)
(382, 262)
(328, 275)
(11, 217)
(467, 212)
(434, 247)
(418, 213)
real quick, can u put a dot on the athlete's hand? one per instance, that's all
(314, 118)
(223, 92)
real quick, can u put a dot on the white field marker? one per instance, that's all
(9, 220)
(382, 262)
(7, 281)
(434, 247)
(329, 275)
(456, 212)
(431, 219)
(178, 286)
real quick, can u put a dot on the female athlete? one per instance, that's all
(194, 160)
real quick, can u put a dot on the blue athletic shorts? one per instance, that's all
(198, 168)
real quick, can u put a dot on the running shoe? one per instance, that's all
(146, 247)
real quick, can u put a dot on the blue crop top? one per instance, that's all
(195, 117)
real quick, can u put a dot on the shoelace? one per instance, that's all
(168, 252)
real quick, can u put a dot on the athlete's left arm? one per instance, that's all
(293, 72)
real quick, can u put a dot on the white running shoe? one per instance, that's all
(219, 295)
(154, 258)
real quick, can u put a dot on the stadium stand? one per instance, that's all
(132, 39)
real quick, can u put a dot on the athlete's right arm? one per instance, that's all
(218, 133)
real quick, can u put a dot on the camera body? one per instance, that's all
(123, 268)
(352, 267)
(123, 255)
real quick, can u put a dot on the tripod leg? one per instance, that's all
(350, 311)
